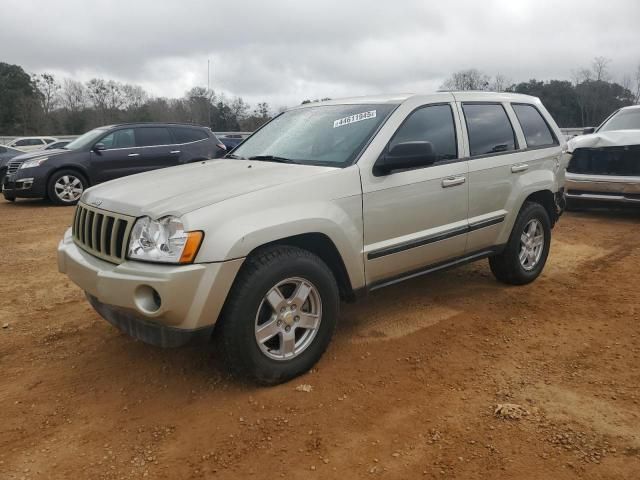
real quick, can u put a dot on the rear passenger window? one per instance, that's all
(150, 136)
(186, 135)
(489, 128)
(535, 129)
(433, 124)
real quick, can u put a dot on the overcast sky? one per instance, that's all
(285, 51)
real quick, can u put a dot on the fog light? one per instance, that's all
(147, 299)
(24, 183)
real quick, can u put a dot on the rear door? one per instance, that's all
(119, 157)
(192, 143)
(499, 157)
(158, 148)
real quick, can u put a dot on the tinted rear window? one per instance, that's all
(535, 129)
(489, 128)
(186, 134)
(150, 136)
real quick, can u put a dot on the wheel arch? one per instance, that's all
(546, 198)
(321, 245)
(81, 170)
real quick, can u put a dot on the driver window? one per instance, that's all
(119, 139)
(433, 124)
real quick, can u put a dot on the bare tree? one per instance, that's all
(134, 96)
(581, 75)
(500, 83)
(600, 67)
(49, 90)
(470, 79)
(200, 100)
(73, 95)
(262, 110)
(239, 108)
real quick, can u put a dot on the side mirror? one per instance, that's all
(406, 155)
(588, 130)
(98, 147)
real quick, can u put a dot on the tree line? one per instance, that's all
(43, 104)
(584, 101)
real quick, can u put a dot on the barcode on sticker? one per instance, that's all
(358, 117)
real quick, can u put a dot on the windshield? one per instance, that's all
(623, 120)
(331, 135)
(86, 140)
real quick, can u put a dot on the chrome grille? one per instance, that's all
(13, 166)
(101, 233)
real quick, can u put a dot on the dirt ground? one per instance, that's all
(408, 388)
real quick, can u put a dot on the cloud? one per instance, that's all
(283, 51)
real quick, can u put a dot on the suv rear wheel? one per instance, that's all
(526, 252)
(280, 315)
(65, 187)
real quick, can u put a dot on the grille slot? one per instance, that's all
(13, 166)
(101, 233)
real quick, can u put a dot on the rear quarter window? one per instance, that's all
(536, 130)
(152, 136)
(187, 135)
(489, 129)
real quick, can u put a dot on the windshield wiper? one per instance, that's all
(272, 158)
(234, 156)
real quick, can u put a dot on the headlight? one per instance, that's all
(163, 240)
(34, 163)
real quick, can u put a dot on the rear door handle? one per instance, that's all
(453, 181)
(521, 167)
(133, 155)
(173, 152)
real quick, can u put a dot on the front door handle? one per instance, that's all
(453, 181)
(174, 152)
(133, 155)
(521, 167)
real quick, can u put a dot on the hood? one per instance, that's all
(40, 153)
(614, 138)
(179, 190)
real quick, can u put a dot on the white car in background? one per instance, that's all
(605, 162)
(30, 144)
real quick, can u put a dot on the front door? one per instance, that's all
(417, 218)
(119, 157)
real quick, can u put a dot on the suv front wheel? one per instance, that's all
(65, 187)
(280, 315)
(526, 251)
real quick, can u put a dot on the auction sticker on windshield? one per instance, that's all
(358, 117)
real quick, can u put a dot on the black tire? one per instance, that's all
(507, 267)
(236, 331)
(10, 198)
(60, 174)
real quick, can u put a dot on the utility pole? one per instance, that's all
(208, 93)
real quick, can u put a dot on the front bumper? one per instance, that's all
(24, 185)
(608, 188)
(141, 297)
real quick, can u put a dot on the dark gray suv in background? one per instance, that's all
(106, 153)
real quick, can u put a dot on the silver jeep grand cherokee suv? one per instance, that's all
(325, 202)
